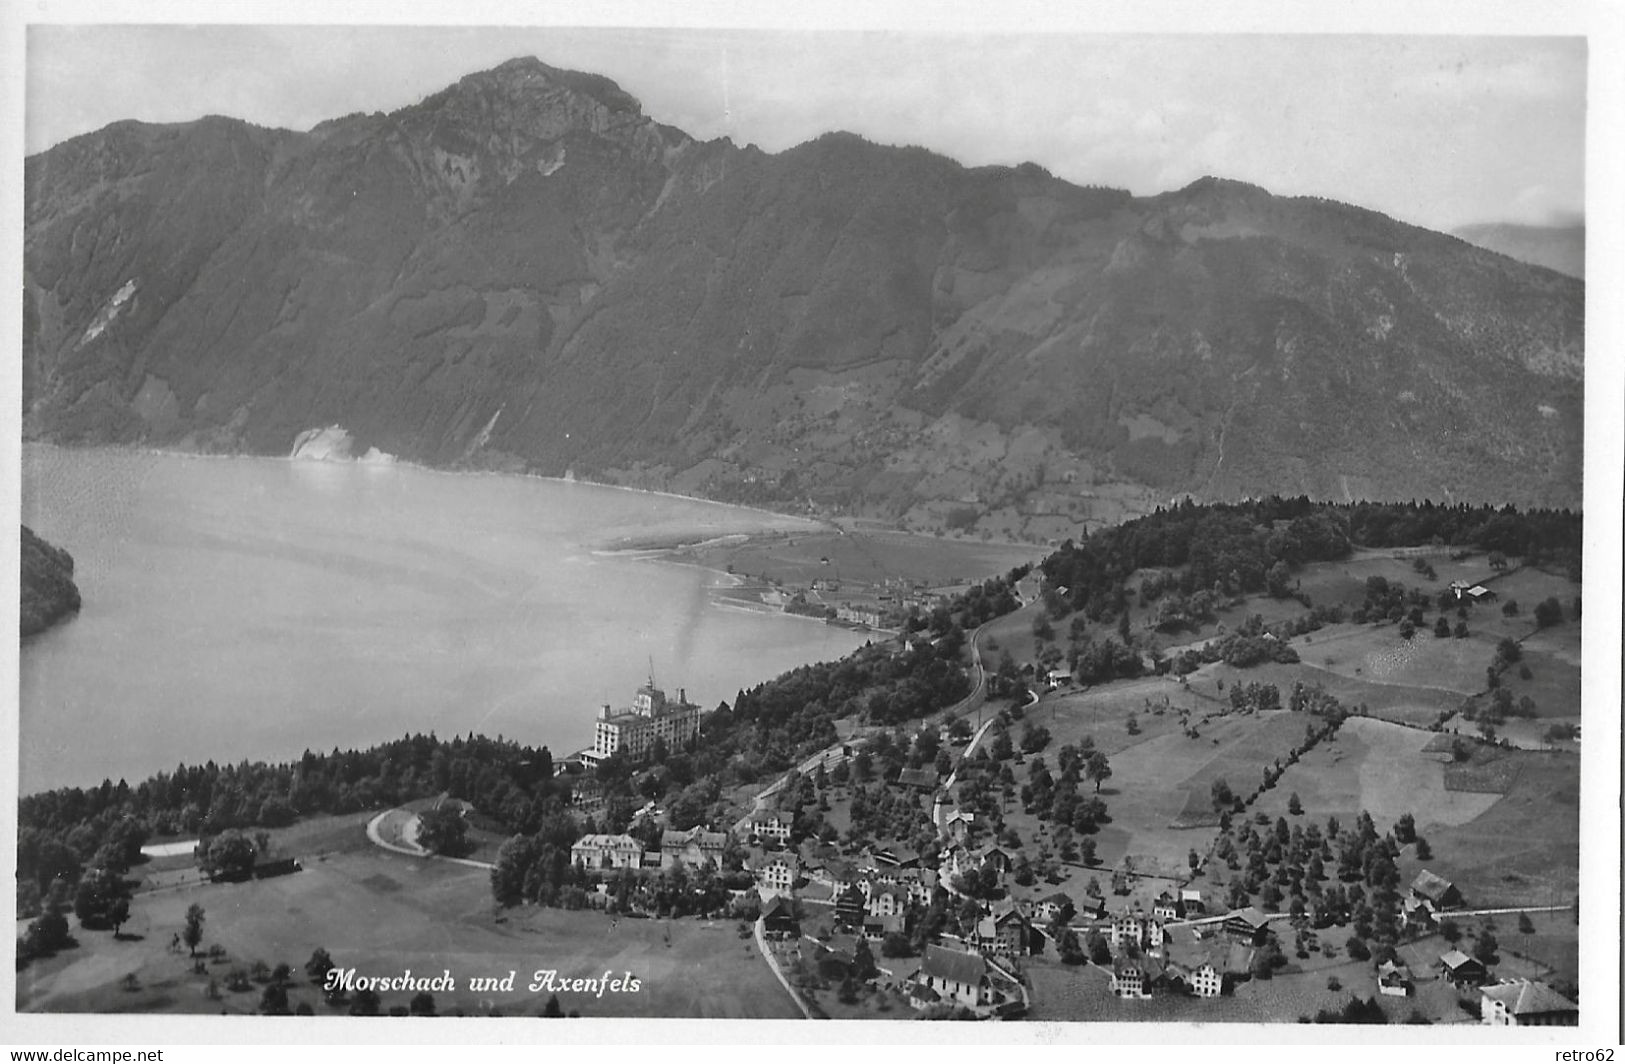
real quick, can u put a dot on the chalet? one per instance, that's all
(959, 825)
(1526, 1003)
(770, 825)
(948, 976)
(1462, 969)
(776, 872)
(607, 851)
(849, 908)
(1437, 891)
(1056, 906)
(1190, 902)
(694, 848)
(1058, 678)
(1165, 906)
(919, 779)
(994, 855)
(915, 885)
(1394, 979)
(1247, 925)
(779, 918)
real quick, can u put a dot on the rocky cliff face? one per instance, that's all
(524, 271)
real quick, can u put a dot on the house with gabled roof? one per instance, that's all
(1526, 1003)
(1002, 932)
(1436, 890)
(959, 825)
(694, 848)
(770, 825)
(1190, 902)
(952, 977)
(1394, 979)
(876, 928)
(775, 870)
(886, 900)
(779, 918)
(849, 908)
(1054, 906)
(1165, 906)
(1247, 925)
(1462, 969)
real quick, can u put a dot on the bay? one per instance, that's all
(252, 608)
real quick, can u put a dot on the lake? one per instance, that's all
(251, 608)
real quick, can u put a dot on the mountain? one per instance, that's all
(1556, 247)
(525, 272)
(48, 591)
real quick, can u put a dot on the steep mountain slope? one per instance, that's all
(1556, 247)
(524, 271)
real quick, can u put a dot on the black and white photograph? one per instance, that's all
(819, 520)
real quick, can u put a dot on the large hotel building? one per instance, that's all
(633, 731)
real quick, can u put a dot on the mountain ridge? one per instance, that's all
(524, 271)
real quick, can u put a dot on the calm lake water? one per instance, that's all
(253, 608)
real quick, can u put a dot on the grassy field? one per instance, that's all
(381, 913)
(1377, 767)
(1524, 849)
(865, 556)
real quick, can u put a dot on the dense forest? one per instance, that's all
(1235, 547)
(48, 591)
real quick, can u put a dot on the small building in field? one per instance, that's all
(1057, 906)
(1206, 981)
(1247, 925)
(1461, 969)
(1526, 1003)
(1394, 979)
(1436, 890)
(779, 918)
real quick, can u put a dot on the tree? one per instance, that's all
(1441, 627)
(443, 830)
(365, 1002)
(1222, 796)
(1549, 612)
(118, 913)
(1294, 805)
(552, 1009)
(230, 855)
(1357, 948)
(422, 1004)
(1526, 926)
(318, 966)
(274, 1000)
(1098, 768)
(1484, 950)
(192, 934)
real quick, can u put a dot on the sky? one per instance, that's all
(1435, 129)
